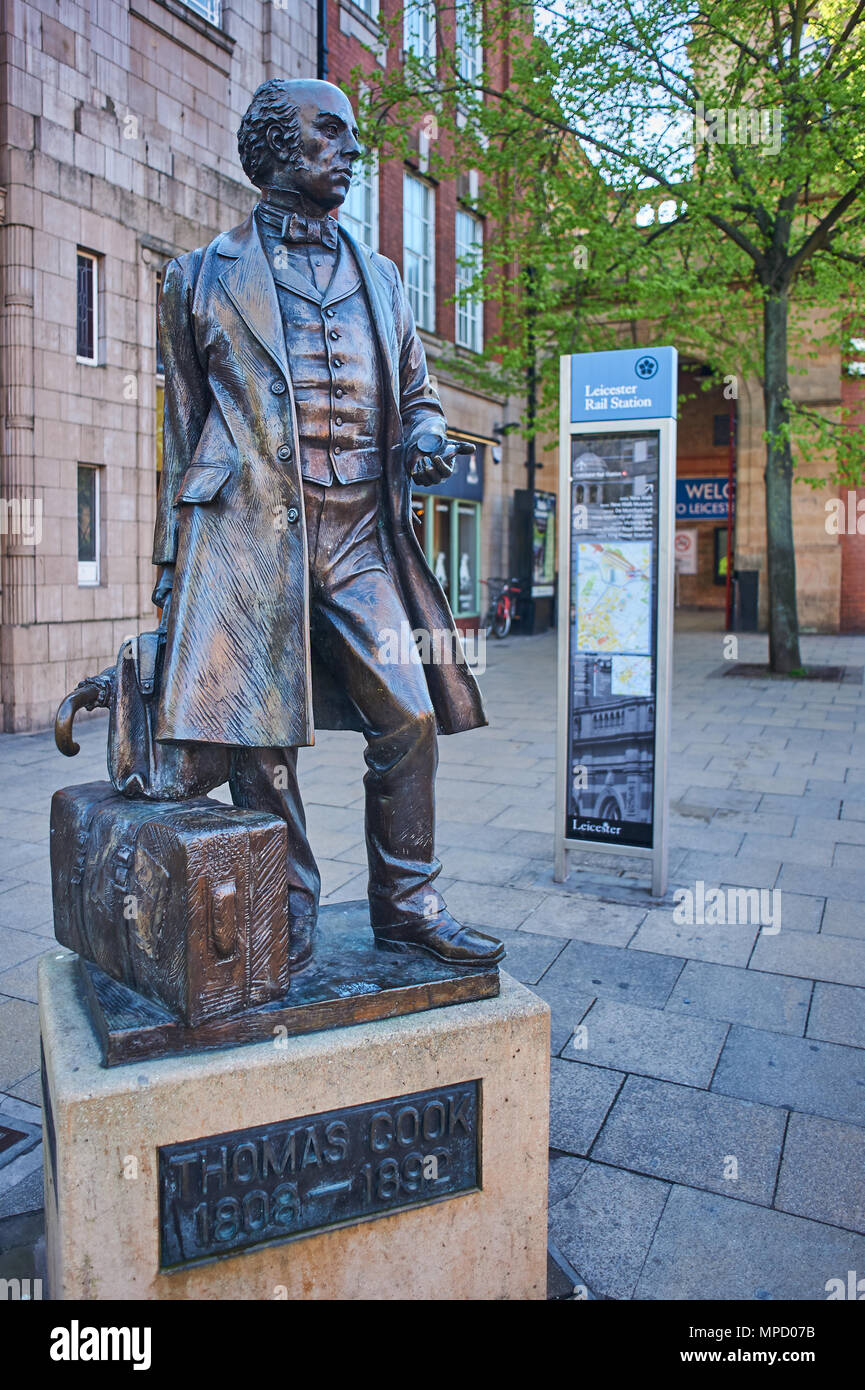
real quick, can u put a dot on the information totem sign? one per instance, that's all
(617, 496)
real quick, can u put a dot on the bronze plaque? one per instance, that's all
(251, 1187)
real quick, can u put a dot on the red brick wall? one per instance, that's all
(345, 52)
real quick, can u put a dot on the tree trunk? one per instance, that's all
(781, 556)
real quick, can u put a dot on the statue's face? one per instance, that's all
(321, 169)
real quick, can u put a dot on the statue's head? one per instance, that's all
(300, 135)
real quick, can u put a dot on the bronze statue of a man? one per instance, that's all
(297, 399)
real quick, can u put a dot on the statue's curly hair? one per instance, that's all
(271, 104)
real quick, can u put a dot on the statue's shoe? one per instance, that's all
(300, 942)
(444, 938)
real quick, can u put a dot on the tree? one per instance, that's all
(693, 172)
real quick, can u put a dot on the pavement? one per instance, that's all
(708, 1078)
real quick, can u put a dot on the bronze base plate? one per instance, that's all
(348, 981)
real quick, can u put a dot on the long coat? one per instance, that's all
(238, 665)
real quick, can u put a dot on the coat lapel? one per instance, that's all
(248, 282)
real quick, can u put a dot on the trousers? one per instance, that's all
(354, 603)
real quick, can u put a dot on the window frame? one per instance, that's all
(471, 310)
(209, 10)
(419, 9)
(83, 255)
(426, 295)
(453, 504)
(470, 59)
(90, 571)
(372, 169)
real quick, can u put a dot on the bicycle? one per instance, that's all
(502, 611)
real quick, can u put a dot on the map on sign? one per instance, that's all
(614, 599)
(631, 675)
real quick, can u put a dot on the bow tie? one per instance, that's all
(299, 230)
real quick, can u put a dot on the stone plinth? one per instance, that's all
(441, 1195)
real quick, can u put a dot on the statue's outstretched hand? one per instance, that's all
(431, 458)
(164, 585)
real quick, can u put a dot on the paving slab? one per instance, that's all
(823, 883)
(727, 945)
(837, 1015)
(821, 1174)
(712, 1247)
(652, 1042)
(490, 905)
(605, 1227)
(19, 1041)
(638, 977)
(694, 1137)
(529, 955)
(826, 806)
(565, 1172)
(586, 919)
(580, 1097)
(835, 959)
(567, 1009)
(842, 918)
(817, 1078)
(736, 995)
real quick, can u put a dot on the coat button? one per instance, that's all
(283, 452)
(337, 362)
(339, 392)
(277, 387)
(330, 313)
(293, 514)
(334, 334)
(339, 419)
(337, 450)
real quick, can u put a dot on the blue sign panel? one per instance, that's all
(702, 499)
(632, 384)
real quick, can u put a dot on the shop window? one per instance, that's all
(449, 530)
(440, 560)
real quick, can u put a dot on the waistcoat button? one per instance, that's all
(293, 514)
(283, 452)
(277, 387)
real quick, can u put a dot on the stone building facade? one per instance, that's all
(117, 152)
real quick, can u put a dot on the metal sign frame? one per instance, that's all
(665, 427)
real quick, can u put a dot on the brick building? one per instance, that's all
(117, 152)
(427, 227)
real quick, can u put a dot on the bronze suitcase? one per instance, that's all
(185, 902)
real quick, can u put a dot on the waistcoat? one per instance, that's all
(333, 358)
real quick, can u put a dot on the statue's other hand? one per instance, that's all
(164, 585)
(432, 459)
